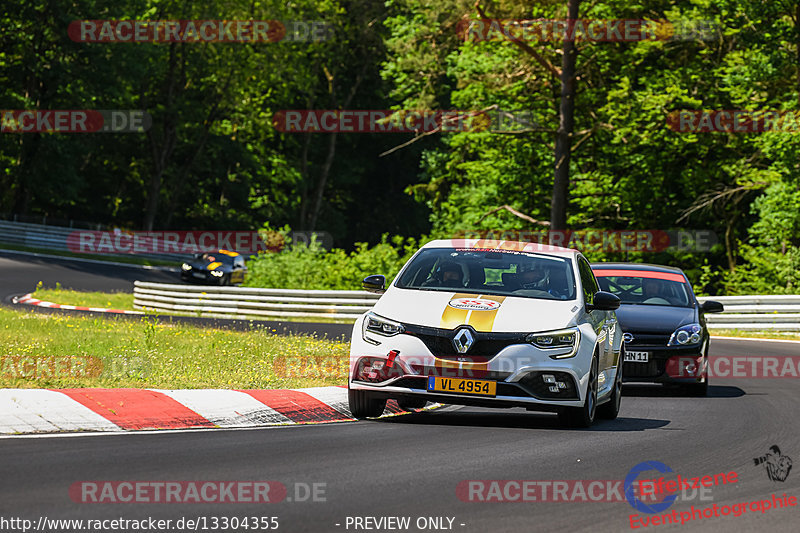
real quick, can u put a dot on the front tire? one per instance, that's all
(583, 417)
(610, 409)
(364, 405)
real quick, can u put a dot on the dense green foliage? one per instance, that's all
(214, 160)
(309, 266)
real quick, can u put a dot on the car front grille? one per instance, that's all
(487, 345)
(647, 339)
(468, 373)
(651, 369)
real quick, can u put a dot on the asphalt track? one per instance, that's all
(411, 465)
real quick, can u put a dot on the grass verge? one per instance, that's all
(58, 351)
(767, 334)
(109, 300)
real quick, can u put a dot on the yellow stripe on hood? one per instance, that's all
(214, 265)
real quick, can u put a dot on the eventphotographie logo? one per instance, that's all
(777, 465)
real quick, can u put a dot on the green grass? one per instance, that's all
(110, 300)
(58, 351)
(767, 334)
(118, 258)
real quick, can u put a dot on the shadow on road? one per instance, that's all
(516, 419)
(656, 390)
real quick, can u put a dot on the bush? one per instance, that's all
(309, 266)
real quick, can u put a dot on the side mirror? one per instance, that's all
(375, 283)
(604, 301)
(710, 306)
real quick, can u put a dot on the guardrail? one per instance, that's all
(46, 237)
(249, 302)
(778, 313)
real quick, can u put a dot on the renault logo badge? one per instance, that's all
(463, 340)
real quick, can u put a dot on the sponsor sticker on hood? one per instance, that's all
(476, 311)
(474, 304)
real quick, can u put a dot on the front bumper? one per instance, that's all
(664, 364)
(516, 369)
(206, 278)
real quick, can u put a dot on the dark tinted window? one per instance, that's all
(505, 273)
(647, 288)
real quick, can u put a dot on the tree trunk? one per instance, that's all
(162, 148)
(323, 180)
(566, 125)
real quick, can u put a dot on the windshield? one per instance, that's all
(215, 257)
(646, 288)
(490, 272)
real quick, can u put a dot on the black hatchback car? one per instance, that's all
(220, 267)
(666, 339)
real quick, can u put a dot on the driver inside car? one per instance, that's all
(531, 276)
(449, 274)
(653, 292)
(452, 276)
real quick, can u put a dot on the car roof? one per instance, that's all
(648, 267)
(223, 252)
(511, 246)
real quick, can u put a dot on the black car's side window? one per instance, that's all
(588, 281)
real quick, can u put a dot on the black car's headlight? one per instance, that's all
(217, 273)
(563, 338)
(381, 326)
(686, 335)
(186, 267)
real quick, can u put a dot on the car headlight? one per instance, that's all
(186, 266)
(686, 335)
(563, 338)
(382, 326)
(217, 273)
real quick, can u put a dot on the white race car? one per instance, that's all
(491, 324)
